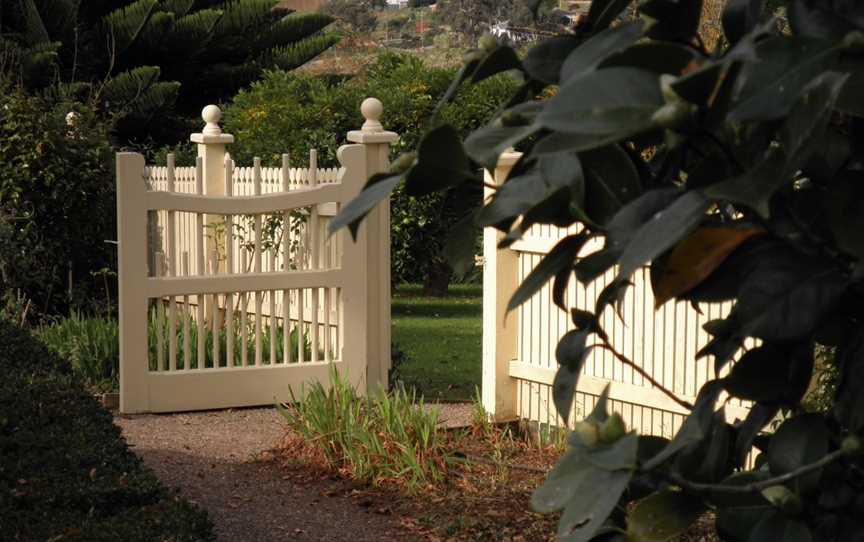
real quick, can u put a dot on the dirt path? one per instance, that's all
(215, 458)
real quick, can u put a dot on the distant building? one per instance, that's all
(303, 5)
(397, 4)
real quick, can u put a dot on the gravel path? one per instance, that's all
(217, 460)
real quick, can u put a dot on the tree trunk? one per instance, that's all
(437, 279)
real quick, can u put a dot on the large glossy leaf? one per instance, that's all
(656, 56)
(461, 242)
(777, 526)
(758, 417)
(543, 61)
(708, 461)
(570, 354)
(611, 181)
(441, 163)
(849, 407)
(560, 257)
(662, 231)
(772, 295)
(772, 374)
(599, 47)
(695, 427)
(596, 497)
(603, 12)
(673, 20)
(584, 105)
(802, 129)
(501, 59)
(799, 441)
(771, 86)
(844, 206)
(562, 482)
(376, 190)
(662, 516)
(487, 143)
(740, 17)
(817, 20)
(696, 257)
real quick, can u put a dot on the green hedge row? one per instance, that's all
(65, 471)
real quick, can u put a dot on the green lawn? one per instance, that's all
(442, 340)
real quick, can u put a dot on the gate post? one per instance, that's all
(375, 315)
(500, 274)
(132, 283)
(211, 149)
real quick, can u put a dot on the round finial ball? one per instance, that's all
(211, 114)
(372, 109)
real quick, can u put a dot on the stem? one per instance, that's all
(623, 359)
(754, 486)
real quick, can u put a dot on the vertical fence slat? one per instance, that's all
(229, 265)
(187, 357)
(160, 316)
(244, 329)
(172, 269)
(256, 182)
(286, 255)
(315, 253)
(201, 266)
(214, 313)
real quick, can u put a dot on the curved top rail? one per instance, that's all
(243, 205)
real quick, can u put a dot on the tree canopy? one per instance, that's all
(736, 174)
(142, 58)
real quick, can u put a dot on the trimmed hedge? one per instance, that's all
(65, 471)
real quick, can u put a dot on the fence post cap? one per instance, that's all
(212, 132)
(372, 109)
(372, 132)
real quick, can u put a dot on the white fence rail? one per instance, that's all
(232, 293)
(519, 350)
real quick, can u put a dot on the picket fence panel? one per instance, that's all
(232, 292)
(519, 349)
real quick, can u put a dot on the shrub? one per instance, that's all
(90, 345)
(735, 173)
(295, 112)
(56, 202)
(386, 437)
(65, 471)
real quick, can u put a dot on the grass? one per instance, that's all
(382, 438)
(442, 340)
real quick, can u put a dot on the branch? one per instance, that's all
(753, 487)
(646, 376)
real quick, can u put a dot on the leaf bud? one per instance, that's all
(510, 118)
(472, 56)
(487, 43)
(854, 41)
(672, 115)
(588, 433)
(851, 445)
(403, 163)
(613, 429)
(783, 498)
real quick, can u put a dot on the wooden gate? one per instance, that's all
(232, 293)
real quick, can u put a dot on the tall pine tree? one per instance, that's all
(143, 60)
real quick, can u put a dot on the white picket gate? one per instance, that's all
(519, 363)
(231, 291)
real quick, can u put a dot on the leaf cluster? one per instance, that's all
(735, 174)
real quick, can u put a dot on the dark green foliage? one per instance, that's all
(56, 203)
(734, 174)
(141, 58)
(65, 471)
(294, 112)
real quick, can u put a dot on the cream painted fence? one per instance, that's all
(232, 293)
(519, 349)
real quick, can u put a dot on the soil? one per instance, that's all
(224, 462)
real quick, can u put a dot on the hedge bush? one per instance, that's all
(65, 471)
(56, 202)
(296, 112)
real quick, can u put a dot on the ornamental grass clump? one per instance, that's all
(382, 438)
